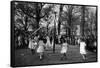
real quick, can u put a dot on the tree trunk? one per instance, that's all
(54, 34)
(38, 10)
(70, 8)
(82, 20)
(37, 15)
(96, 18)
(26, 20)
(47, 28)
(59, 22)
(69, 23)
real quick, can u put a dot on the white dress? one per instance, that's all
(64, 48)
(82, 48)
(19, 40)
(40, 48)
(48, 42)
(32, 45)
(52, 43)
(78, 41)
(36, 38)
(95, 44)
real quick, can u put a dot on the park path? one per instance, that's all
(23, 57)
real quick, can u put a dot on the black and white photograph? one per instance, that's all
(44, 33)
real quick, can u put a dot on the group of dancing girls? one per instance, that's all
(38, 45)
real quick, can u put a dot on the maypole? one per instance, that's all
(35, 31)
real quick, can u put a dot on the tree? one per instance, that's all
(71, 17)
(31, 11)
(88, 21)
(59, 21)
(27, 17)
(82, 20)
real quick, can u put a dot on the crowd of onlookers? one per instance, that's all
(91, 41)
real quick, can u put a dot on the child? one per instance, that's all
(82, 49)
(32, 45)
(95, 45)
(48, 42)
(40, 49)
(19, 41)
(78, 41)
(64, 49)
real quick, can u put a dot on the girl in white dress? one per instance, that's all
(40, 49)
(48, 42)
(64, 49)
(19, 40)
(78, 41)
(95, 45)
(52, 43)
(32, 45)
(82, 49)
